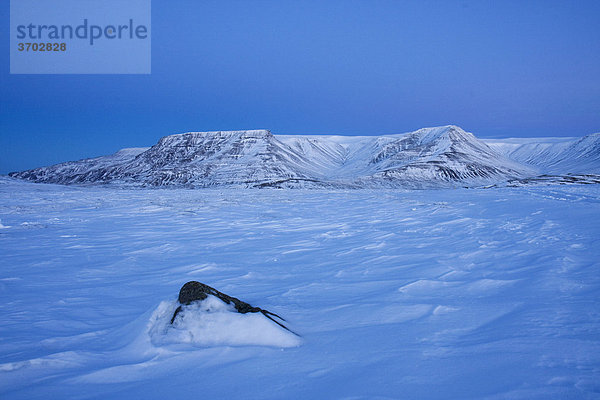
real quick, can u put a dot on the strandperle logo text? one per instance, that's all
(84, 31)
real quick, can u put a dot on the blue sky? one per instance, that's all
(497, 69)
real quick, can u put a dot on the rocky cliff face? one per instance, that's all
(212, 158)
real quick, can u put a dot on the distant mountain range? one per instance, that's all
(444, 156)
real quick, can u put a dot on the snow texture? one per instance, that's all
(432, 294)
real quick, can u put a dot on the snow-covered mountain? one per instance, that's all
(438, 156)
(189, 159)
(553, 155)
(444, 156)
(429, 156)
(213, 158)
(82, 171)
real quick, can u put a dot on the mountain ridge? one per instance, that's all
(445, 156)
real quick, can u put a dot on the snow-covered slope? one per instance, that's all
(213, 158)
(436, 156)
(581, 156)
(82, 171)
(442, 156)
(197, 158)
(553, 155)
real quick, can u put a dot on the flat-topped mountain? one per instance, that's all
(444, 156)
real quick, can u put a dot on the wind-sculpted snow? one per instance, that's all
(430, 157)
(431, 294)
(211, 322)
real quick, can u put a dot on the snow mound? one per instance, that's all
(211, 322)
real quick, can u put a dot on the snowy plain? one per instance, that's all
(425, 294)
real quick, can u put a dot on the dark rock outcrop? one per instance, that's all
(195, 291)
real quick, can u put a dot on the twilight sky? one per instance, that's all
(497, 69)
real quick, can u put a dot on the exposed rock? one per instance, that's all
(195, 291)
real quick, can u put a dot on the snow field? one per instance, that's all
(397, 294)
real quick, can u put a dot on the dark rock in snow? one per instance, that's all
(196, 291)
